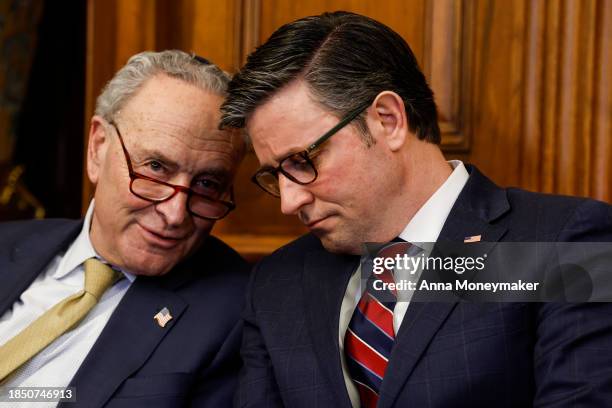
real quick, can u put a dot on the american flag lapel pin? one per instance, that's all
(473, 238)
(163, 317)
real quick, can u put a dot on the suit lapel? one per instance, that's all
(128, 339)
(27, 259)
(478, 205)
(326, 276)
(131, 334)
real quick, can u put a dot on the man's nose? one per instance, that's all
(174, 210)
(293, 195)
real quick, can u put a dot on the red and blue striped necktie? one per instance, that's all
(370, 335)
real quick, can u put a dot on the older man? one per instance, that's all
(136, 305)
(345, 128)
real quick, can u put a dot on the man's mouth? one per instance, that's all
(314, 223)
(161, 239)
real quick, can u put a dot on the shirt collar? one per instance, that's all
(427, 223)
(81, 250)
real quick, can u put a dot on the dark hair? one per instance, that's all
(346, 60)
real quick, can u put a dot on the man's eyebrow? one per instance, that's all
(222, 173)
(156, 154)
(293, 151)
(219, 172)
(297, 150)
(288, 153)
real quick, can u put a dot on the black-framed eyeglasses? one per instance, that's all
(157, 191)
(298, 167)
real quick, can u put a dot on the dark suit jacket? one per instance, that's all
(135, 363)
(446, 354)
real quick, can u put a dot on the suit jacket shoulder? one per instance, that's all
(296, 251)
(26, 248)
(15, 232)
(529, 216)
(561, 218)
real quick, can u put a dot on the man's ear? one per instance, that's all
(388, 119)
(97, 148)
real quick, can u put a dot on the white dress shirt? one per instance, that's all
(425, 226)
(56, 364)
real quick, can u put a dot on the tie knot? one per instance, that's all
(99, 277)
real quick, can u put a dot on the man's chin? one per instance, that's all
(151, 266)
(339, 246)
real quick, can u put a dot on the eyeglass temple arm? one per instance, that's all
(336, 128)
(125, 152)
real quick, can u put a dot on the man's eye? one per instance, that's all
(155, 166)
(298, 163)
(208, 187)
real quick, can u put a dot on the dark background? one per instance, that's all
(51, 123)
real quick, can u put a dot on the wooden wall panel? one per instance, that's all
(524, 87)
(566, 99)
(533, 91)
(213, 30)
(601, 182)
(542, 94)
(99, 67)
(407, 17)
(206, 27)
(447, 58)
(551, 95)
(136, 22)
(496, 102)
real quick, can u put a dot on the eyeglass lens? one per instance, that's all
(201, 206)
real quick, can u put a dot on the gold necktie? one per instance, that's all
(59, 319)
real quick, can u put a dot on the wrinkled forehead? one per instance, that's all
(199, 117)
(189, 145)
(192, 134)
(171, 114)
(164, 103)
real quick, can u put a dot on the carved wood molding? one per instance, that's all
(250, 27)
(566, 145)
(99, 67)
(447, 64)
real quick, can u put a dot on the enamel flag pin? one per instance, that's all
(473, 238)
(163, 317)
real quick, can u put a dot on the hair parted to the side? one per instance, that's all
(145, 65)
(346, 60)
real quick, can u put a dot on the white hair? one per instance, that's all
(145, 65)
